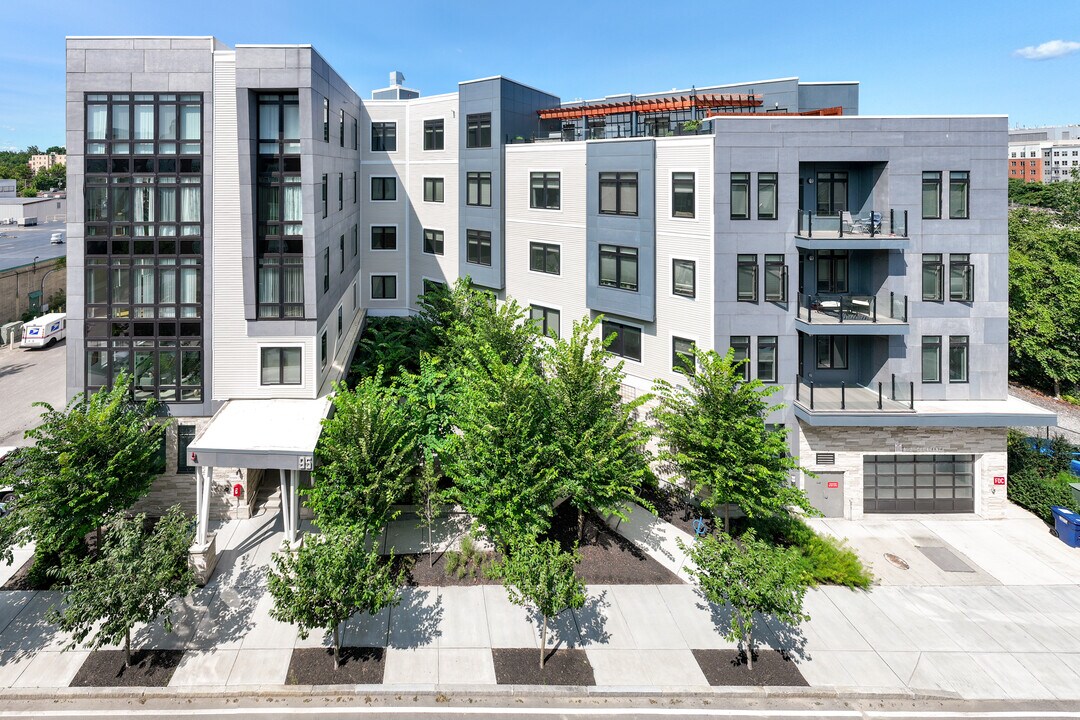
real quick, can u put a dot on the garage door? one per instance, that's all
(918, 483)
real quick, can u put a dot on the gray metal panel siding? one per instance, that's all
(817, 96)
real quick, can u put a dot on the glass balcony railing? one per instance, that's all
(890, 396)
(873, 224)
(838, 308)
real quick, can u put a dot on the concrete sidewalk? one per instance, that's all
(987, 641)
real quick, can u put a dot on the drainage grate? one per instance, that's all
(897, 561)
(945, 559)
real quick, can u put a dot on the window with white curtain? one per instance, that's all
(143, 282)
(191, 203)
(96, 121)
(144, 122)
(190, 122)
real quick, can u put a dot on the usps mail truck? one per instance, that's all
(44, 330)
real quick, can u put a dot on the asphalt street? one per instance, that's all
(20, 245)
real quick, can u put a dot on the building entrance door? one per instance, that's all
(826, 493)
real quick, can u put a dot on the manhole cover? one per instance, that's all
(897, 561)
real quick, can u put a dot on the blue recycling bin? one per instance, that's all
(1067, 525)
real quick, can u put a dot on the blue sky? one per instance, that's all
(911, 56)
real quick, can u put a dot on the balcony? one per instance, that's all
(844, 314)
(895, 396)
(873, 230)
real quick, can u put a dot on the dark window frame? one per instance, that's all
(619, 181)
(382, 284)
(434, 134)
(476, 242)
(434, 242)
(546, 250)
(185, 435)
(682, 361)
(326, 119)
(741, 345)
(618, 343)
(931, 180)
(475, 183)
(692, 292)
(544, 323)
(930, 342)
(478, 130)
(960, 267)
(341, 127)
(384, 238)
(765, 180)
(746, 266)
(383, 136)
(933, 268)
(383, 188)
(763, 343)
(434, 189)
(776, 268)
(341, 253)
(960, 180)
(683, 186)
(281, 365)
(739, 180)
(340, 191)
(621, 255)
(326, 270)
(833, 345)
(960, 343)
(547, 195)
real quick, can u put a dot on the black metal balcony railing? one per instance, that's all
(845, 225)
(834, 307)
(892, 396)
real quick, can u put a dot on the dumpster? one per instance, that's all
(1067, 525)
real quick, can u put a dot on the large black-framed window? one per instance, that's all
(544, 190)
(478, 130)
(832, 352)
(740, 346)
(544, 258)
(280, 366)
(933, 277)
(341, 254)
(433, 134)
(478, 189)
(384, 188)
(618, 193)
(383, 136)
(340, 191)
(185, 435)
(355, 240)
(546, 320)
(341, 127)
(959, 191)
(832, 271)
(776, 278)
(354, 187)
(434, 189)
(325, 195)
(740, 196)
(766, 196)
(326, 119)
(931, 195)
(434, 241)
(322, 349)
(143, 243)
(384, 287)
(682, 194)
(682, 357)
(931, 359)
(766, 359)
(384, 237)
(627, 340)
(746, 274)
(832, 192)
(958, 358)
(684, 278)
(478, 247)
(961, 278)
(326, 270)
(619, 267)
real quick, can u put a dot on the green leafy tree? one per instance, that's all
(716, 436)
(89, 460)
(752, 576)
(503, 458)
(49, 178)
(58, 149)
(328, 580)
(602, 455)
(367, 453)
(541, 574)
(135, 575)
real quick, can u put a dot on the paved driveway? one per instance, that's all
(1015, 550)
(26, 377)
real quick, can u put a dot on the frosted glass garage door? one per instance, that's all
(918, 483)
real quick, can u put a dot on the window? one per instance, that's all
(766, 358)
(383, 287)
(478, 247)
(740, 346)
(341, 253)
(959, 182)
(544, 190)
(185, 435)
(433, 189)
(832, 192)
(682, 195)
(832, 352)
(627, 340)
(383, 188)
(682, 359)
(958, 358)
(326, 120)
(354, 187)
(766, 196)
(684, 278)
(544, 258)
(546, 320)
(322, 349)
(355, 241)
(341, 128)
(383, 237)
(933, 277)
(740, 196)
(340, 191)
(618, 193)
(619, 267)
(340, 321)
(280, 366)
(326, 270)
(478, 130)
(961, 278)
(431, 286)
(325, 192)
(776, 279)
(931, 195)
(433, 242)
(355, 134)
(931, 358)
(747, 278)
(433, 134)
(832, 271)
(383, 137)
(478, 189)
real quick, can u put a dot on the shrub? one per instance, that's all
(823, 559)
(1052, 457)
(1037, 494)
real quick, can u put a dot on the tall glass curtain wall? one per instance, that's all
(279, 231)
(144, 250)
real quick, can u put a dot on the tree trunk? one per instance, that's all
(580, 526)
(543, 641)
(127, 648)
(1057, 389)
(727, 518)
(749, 642)
(337, 645)
(97, 540)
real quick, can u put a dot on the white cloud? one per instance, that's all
(1048, 50)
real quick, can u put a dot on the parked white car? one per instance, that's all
(57, 238)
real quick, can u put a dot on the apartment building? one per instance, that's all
(1046, 154)
(237, 212)
(44, 161)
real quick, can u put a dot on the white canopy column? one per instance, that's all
(204, 476)
(290, 504)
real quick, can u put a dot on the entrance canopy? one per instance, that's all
(268, 434)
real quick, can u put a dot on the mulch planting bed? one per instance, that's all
(149, 668)
(728, 667)
(21, 579)
(315, 666)
(521, 666)
(673, 506)
(607, 558)
(418, 573)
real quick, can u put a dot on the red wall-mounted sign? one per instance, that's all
(237, 490)
(998, 480)
(833, 484)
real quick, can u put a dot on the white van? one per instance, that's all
(44, 330)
